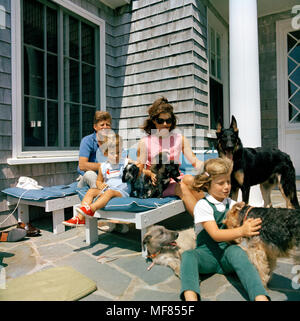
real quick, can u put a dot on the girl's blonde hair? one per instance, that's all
(212, 168)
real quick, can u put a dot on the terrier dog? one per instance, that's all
(279, 233)
(142, 187)
(251, 166)
(165, 247)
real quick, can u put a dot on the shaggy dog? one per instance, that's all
(165, 247)
(142, 187)
(251, 166)
(279, 233)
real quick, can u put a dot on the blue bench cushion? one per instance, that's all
(44, 194)
(130, 204)
(186, 167)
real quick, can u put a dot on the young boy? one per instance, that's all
(108, 184)
(109, 180)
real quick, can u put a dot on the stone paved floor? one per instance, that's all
(126, 277)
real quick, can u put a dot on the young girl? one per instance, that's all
(109, 180)
(213, 253)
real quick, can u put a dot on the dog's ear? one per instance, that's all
(239, 205)
(233, 124)
(219, 126)
(146, 239)
(136, 171)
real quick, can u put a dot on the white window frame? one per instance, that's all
(30, 157)
(216, 24)
(282, 28)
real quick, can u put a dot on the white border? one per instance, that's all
(19, 157)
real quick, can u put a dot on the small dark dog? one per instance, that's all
(165, 247)
(142, 187)
(164, 169)
(251, 166)
(279, 233)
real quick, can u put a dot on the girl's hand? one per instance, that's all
(251, 227)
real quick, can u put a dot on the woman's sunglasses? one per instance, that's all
(160, 121)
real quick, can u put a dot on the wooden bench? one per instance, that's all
(55, 205)
(142, 220)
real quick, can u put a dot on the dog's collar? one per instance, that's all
(247, 212)
(152, 256)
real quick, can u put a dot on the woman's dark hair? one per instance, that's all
(160, 105)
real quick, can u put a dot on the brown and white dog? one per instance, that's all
(165, 247)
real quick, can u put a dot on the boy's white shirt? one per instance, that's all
(203, 212)
(115, 168)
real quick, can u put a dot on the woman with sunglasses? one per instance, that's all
(162, 137)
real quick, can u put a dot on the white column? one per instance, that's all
(244, 76)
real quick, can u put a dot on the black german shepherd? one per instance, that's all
(251, 166)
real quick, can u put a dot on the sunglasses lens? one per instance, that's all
(160, 121)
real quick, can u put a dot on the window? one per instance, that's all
(215, 79)
(293, 62)
(215, 53)
(60, 77)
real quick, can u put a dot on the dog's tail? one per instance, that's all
(288, 181)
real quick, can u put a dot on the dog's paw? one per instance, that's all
(177, 271)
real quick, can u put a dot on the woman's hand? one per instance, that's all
(251, 227)
(153, 178)
(148, 173)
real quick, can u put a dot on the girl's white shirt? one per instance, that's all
(203, 212)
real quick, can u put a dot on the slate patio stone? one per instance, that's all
(138, 267)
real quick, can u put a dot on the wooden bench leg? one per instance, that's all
(23, 213)
(91, 230)
(57, 218)
(74, 209)
(144, 248)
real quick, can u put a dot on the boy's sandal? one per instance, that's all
(112, 226)
(14, 235)
(107, 227)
